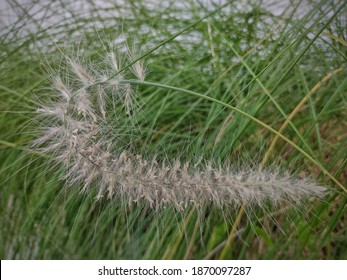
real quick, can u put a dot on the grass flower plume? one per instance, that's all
(75, 116)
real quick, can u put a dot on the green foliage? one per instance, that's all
(262, 64)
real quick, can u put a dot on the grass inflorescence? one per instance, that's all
(73, 125)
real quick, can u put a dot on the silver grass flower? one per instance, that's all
(72, 132)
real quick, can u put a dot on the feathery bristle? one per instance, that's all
(74, 137)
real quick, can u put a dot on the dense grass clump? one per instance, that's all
(184, 131)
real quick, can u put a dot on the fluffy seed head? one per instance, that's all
(73, 133)
(82, 73)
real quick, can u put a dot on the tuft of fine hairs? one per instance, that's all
(72, 131)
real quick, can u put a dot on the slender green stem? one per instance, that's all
(170, 39)
(267, 92)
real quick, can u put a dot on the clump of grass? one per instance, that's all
(230, 83)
